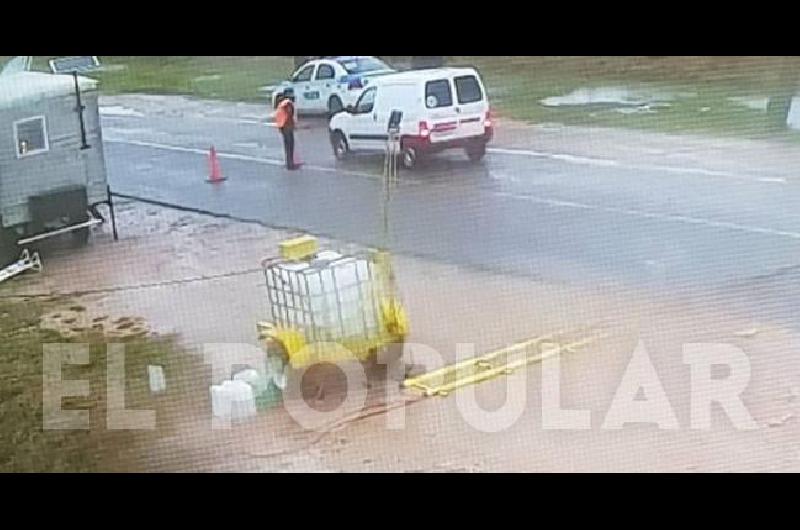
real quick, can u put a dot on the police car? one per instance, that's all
(328, 86)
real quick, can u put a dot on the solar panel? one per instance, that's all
(67, 65)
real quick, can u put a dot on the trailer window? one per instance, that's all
(30, 135)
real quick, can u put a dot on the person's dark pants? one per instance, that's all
(288, 146)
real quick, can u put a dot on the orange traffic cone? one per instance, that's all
(215, 173)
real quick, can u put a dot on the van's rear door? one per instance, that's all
(441, 110)
(471, 105)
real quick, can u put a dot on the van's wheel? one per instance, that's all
(340, 148)
(476, 152)
(409, 157)
(334, 106)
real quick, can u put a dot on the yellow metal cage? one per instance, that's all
(328, 307)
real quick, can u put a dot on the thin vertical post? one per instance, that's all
(80, 110)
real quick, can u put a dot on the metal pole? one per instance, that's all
(389, 180)
(111, 213)
(80, 110)
(385, 203)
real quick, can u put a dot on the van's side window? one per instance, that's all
(366, 102)
(468, 90)
(30, 136)
(438, 94)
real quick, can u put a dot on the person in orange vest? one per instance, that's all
(285, 120)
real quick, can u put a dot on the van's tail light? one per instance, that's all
(424, 130)
(488, 122)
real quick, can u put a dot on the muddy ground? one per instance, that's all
(200, 277)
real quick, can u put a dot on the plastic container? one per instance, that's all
(265, 392)
(257, 381)
(233, 400)
(270, 397)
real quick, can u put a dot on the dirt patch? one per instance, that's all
(199, 278)
(34, 441)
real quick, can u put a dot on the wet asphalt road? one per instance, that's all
(556, 219)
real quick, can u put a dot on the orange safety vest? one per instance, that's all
(284, 116)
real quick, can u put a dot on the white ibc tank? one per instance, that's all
(343, 286)
(330, 285)
(233, 400)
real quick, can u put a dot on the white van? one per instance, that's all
(443, 108)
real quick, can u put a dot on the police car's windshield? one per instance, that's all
(360, 65)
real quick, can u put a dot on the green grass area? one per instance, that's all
(228, 78)
(517, 85)
(25, 446)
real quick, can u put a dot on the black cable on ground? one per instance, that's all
(122, 288)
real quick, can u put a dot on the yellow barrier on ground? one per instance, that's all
(443, 381)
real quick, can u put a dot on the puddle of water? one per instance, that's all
(751, 102)
(760, 103)
(648, 100)
(117, 110)
(202, 78)
(628, 100)
(643, 109)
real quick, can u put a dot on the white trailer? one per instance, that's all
(52, 167)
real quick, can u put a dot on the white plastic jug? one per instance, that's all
(220, 402)
(233, 400)
(243, 402)
(257, 381)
